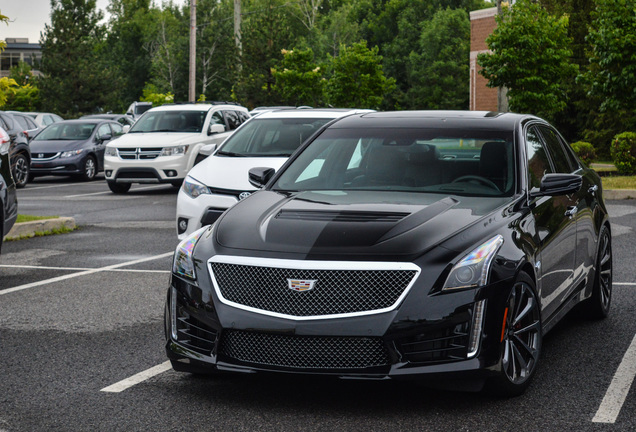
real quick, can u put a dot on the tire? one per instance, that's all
(522, 339)
(119, 188)
(598, 305)
(89, 169)
(21, 170)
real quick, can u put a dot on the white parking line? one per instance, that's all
(136, 379)
(109, 192)
(619, 388)
(624, 283)
(54, 186)
(79, 269)
(82, 273)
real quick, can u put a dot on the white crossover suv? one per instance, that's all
(165, 143)
(221, 180)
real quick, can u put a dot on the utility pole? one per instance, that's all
(193, 51)
(237, 29)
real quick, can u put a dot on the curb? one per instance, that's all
(619, 194)
(28, 229)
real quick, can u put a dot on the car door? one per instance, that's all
(103, 135)
(554, 228)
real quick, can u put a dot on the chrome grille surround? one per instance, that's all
(139, 153)
(342, 288)
(304, 352)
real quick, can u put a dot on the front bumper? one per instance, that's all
(163, 169)
(58, 166)
(205, 335)
(202, 210)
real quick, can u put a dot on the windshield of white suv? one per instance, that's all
(270, 137)
(66, 132)
(170, 121)
(460, 162)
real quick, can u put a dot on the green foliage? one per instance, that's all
(357, 79)
(613, 69)
(531, 57)
(152, 94)
(624, 153)
(298, 79)
(585, 151)
(7, 86)
(439, 72)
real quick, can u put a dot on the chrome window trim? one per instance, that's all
(311, 265)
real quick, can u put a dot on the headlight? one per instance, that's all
(72, 153)
(110, 151)
(472, 271)
(183, 263)
(193, 188)
(173, 151)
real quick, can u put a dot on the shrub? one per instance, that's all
(623, 149)
(585, 151)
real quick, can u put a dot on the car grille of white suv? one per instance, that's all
(139, 153)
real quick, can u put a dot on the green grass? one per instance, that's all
(619, 182)
(29, 218)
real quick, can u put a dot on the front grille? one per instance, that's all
(44, 156)
(439, 345)
(139, 153)
(304, 352)
(193, 334)
(334, 291)
(138, 173)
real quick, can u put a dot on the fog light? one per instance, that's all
(170, 173)
(475, 331)
(109, 173)
(182, 225)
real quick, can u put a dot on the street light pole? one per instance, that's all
(193, 50)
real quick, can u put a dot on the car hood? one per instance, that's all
(54, 146)
(157, 139)
(231, 172)
(353, 223)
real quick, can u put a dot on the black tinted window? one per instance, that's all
(556, 150)
(233, 120)
(538, 162)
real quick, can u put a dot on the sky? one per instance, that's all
(27, 18)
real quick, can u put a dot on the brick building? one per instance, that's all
(482, 98)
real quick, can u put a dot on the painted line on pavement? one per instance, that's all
(79, 269)
(624, 283)
(109, 192)
(619, 388)
(138, 378)
(54, 186)
(82, 273)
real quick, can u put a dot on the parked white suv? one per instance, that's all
(165, 143)
(221, 180)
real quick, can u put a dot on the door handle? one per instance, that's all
(571, 211)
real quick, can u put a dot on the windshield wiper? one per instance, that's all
(231, 154)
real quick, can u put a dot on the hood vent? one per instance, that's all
(341, 216)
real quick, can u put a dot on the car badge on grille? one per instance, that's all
(40, 155)
(244, 195)
(301, 284)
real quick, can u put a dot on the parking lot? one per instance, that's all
(81, 337)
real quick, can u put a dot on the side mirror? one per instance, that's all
(207, 149)
(102, 139)
(258, 177)
(126, 128)
(215, 129)
(557, 184)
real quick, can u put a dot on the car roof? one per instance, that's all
(197, 107)
(434, 119)
(86, 121)
(329, 113)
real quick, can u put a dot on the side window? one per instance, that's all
(103, 131)
(538, 162)
(6, 123)
(242, 116)
(556, 151)
(47, 120)
(21, 122)
(232, 119)
(217, 118)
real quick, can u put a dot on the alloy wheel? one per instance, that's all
(89, 169)
(21, 171)
(605, 270)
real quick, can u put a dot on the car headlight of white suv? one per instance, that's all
(174, 151)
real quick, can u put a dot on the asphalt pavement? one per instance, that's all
(81, 343)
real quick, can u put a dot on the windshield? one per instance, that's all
(271, 137)
(66, 132)
(459, 162)
(170, 121)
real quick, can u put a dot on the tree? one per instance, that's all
(531, 57)
(77, 76)
(357, 79)
(298, 78)
(439, 71)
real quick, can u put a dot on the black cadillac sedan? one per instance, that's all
(435, 245)
(72, 148)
